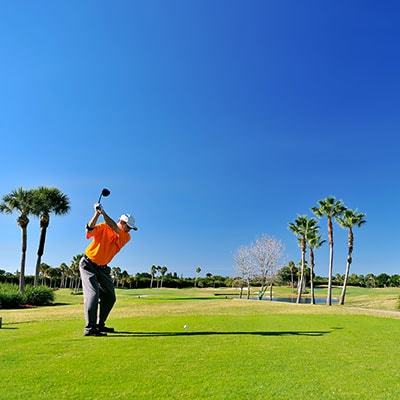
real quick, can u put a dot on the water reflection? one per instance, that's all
(303, 300)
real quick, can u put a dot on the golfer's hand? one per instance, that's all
(98, 208)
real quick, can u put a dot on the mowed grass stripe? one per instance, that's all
(229, 352)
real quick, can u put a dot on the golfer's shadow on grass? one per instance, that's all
(211, 333)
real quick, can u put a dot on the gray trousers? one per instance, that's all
(98, 288)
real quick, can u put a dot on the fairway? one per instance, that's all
(231, 349)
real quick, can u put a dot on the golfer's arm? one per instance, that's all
(110, 222)
(93, 221)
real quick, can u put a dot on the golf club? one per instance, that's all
(105, 192)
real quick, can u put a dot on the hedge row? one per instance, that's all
(33, 296)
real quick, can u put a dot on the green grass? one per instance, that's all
(232, 350)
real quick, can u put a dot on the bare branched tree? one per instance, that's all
(244, 265)
(266, 252)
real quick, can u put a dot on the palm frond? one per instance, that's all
(329, 207)
(351, 218)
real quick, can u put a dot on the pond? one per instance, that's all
(303, 300)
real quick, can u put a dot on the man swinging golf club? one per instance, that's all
(108, 239)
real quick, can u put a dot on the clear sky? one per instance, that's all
(211, 121)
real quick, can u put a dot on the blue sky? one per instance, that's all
(212, 122)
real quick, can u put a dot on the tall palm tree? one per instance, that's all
(47, 201)
(75, 281)
(158, 273)
(314, 241)
(163, 271)
(20, 200)
(45, 272)
(300, 227)
(332, 209)
(69, 274)
(291, 266)
(153, 271)
(54, 274)
(64, 275)
(198, 270)
(116, 274)
(348, 220)
(124, 278)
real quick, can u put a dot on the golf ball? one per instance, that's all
(185, 327)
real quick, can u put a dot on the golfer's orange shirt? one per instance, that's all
(106, 243)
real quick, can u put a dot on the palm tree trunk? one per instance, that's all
(303, 256)
(42, 240)
(291, 280)
(311, 275)
(348, 264)
(38, 262)
(330, 272)
(23, 260)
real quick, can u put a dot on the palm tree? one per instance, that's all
(291, 266)
(19, 200)
(54, 274)
(330, 208)
(64, 275)
(301, 227)
(158, 273)
(163, 271)
(348, 220)
(314, 241)
(47, 201)
(44, 270)
(198, 270)
(116, 274)
(75, 281)
(153, 271)
(69, 274)
(124, 278)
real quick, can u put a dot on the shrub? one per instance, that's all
(38, 295)
(34, 295)
(9, 296)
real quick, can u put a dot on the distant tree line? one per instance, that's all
(67, 276)
(290, 275)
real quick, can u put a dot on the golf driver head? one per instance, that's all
(104, 193)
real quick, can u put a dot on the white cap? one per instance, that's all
(129, 220)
